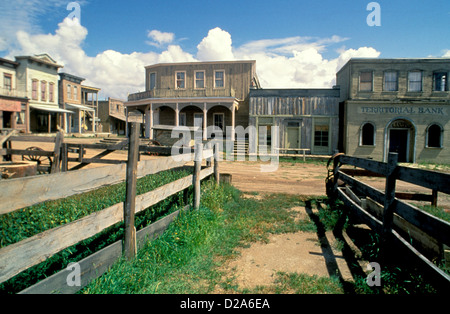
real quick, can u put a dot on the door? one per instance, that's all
(293, 135)
(398, 143)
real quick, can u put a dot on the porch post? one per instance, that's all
(205, 122)
(149, 122)
(177, 115)
(232, 122)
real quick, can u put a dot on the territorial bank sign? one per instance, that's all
(404, 110)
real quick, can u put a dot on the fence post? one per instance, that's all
(216, 151)
(198, 155)
(129, 248)
(388, 213)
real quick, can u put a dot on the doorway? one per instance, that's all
(399, 140)
(293, 135)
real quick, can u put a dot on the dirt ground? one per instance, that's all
(300, 252)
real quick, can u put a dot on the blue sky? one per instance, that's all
(297, 43)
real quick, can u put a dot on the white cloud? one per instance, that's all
(446, 54)
(216, 46)
(160, 38)
(293, 62)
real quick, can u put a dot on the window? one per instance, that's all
(321, 135)
(219, 120)
(368, 134)
(51, 87)
(390, 81)
(440, 81)
(415, 81)
(434, 136)
(219, 79)
(69, 91)
(199, 79)
(75, 92)
(43, 90)
(7, 81)
(34, 89)
(180, 80)
(365, 81)
(182, 120)
(153, 80)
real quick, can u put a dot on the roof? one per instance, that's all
(297, 92)
(42, 58)
(201, 62)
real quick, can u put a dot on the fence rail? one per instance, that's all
(23, 192)
(391, 217)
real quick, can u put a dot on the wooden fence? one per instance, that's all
(23, 192)
(419, 233)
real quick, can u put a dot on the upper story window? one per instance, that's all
(366, 81)
(180, 78)
(415, 81)
(43, 90)
(34, 89)
(51, 88)
(7, 81)
(199, 79)
(75, 92)
(440, 81)
(390, 81)
(69, 91)
(219, 79)
(153, 80)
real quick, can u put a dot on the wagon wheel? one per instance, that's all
(43, 161)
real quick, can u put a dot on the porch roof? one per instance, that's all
(225, 101)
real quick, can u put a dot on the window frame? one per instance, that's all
(215, 79)
(385, 89)
(361, 82)
(441, 136)
(446, 84)
(69, 91)
(184, 80)
(219, 114)
(7, 76)
(150, 80)
(421, 81)
(51, 92)
(361, 134)
(43, 91)
(195, 79)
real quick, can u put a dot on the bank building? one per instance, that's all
(395, 105)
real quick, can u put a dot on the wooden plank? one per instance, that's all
(435, 227)
(17, 257)
(352, 195)
(389, 197)
(362, 188)
(6, 137)
(57, 152)
(371, 165)
(361, 213)
(98, 263)
(22, 192)
(430, 179)
(31, 138)
(10, 151)
(360, 173)
(196, 177)
(87, 161)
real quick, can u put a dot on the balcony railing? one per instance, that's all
(181, 93)
(12, 92)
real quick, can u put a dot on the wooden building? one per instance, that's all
(396, 105)
(37, 78)
(306, 118)
(112, 115)
(14, 109)
(195, 95)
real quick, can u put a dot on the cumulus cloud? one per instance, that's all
(160, 38)
(293, 62)
(216, 46)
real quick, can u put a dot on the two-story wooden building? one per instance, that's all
(37, 78)
(14, 110)
(395, 105)
(195, 95)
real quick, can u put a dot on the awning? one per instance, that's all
(49, 108)
(10, 105)
(81, 107)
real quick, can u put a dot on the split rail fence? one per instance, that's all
(22, 192)
(400, 224)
